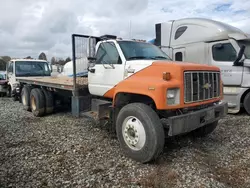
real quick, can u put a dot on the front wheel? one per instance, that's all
(8, 92)
(15, 98)
(246, 103)
(140, 132)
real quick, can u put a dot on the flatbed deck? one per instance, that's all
(59, 82)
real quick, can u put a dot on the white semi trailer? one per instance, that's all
(211, 42)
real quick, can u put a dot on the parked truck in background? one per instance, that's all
(3, 84)
(17, 68)
(143, 95)
(215, 43)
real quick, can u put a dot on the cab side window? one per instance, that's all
(178, 56)
(10, 67)
(107, 54)
(224, 52)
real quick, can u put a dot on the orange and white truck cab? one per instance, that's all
(146, 87)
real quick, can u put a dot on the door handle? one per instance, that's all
(92, 70)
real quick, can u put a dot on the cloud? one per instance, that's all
(223, 7)
(29, 27)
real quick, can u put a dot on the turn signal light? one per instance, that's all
(166, 76)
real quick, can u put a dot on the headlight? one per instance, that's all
(173, 96)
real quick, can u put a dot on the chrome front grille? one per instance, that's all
(201, 85)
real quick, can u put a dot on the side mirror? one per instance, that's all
(240, 54)
(91, 61)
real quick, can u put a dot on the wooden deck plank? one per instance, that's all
(56, 80)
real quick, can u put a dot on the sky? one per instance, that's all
(29, 27)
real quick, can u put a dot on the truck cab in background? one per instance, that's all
(17, 68)
(3, 83)
(210, 42)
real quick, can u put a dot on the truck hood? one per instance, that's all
(167, 66)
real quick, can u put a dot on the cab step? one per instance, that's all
(100, 110)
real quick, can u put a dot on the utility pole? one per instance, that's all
(130, 28)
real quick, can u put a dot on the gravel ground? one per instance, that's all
(61, 151)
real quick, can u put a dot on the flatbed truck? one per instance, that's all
(137, 88)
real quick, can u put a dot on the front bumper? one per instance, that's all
(188, 122)
(233, 95)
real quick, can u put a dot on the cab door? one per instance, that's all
(108, 69)
(223, 54)
(11, 73)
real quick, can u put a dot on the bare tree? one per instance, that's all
(2, 65)
(6, 58)
(28, 57)
(53, 60)
(67, 60)
(42, 56)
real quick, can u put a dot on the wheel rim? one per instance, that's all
(33, 103)
(133, 133)
(24, 100)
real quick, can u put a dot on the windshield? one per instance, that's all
(247, 49)
(2, 77)
(32, 68)
(140, 50)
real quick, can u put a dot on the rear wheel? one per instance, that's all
(49, 101)
(37, 102)
(25, 97)
(205, 130)
(140, 132)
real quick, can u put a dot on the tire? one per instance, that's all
(49, 101)
(20, 99)
(246, 103)
(37, 102)
(15, 98)
(8, 92)
(205, 130)
(25, 97)
(147, 125)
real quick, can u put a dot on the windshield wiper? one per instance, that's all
(137, 57)
(159, 57)
(147, 57)
(23, 74)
